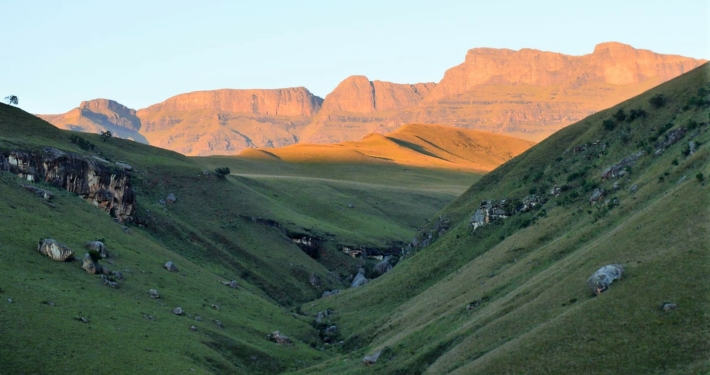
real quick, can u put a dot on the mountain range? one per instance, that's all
(527, 93)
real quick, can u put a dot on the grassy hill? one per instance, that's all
(511, 296)
(235, 228)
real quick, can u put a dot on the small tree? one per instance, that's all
(658, 101)
(12, 99)
(222, 172)
(106, 135)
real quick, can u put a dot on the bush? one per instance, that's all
(222, 172)
(636, 113)
(700, 177)
(95, 255)
(609, 124)
(105, 136)
(620, 115)
(658, 101)
(81, 142)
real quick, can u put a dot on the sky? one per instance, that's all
(56, 54)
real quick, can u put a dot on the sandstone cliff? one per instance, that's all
(95, 116)
(526, 93)
(101, 183)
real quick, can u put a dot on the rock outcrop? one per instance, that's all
(600, 280)
(359, 279)
(360, 95)
(104, 185)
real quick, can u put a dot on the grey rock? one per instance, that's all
(117, 274)
(124, 166)
(178, 311)
(384, 266)
(667, 307)
(98, 246)
(315, 281)
(9, 300)
(634, 188)
(162, 202)
(153, 293)
(372, 358)
(170, 266)
(198, 318)
(279, 338)
(603, 277)
(171, 198)
(359, 281)
(330, 293)
(82, 319)
(232, 284)
(219, 324)
(90, 266)
(54, 250)
(616, 186)
(193, 328)
(41, 192)
(216, 307)
(597, 194)
(692, 147)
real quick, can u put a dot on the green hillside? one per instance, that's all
(511, 296)
(236, 228)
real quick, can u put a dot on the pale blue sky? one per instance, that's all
(57, 53)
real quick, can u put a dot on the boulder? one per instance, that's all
(90, 266)
(98, 246)
(600, 280)
(117, 274)
(315, 281)
(124, 166)
(597, 194)
(384, 266)
(41, 192)
(219, 324)
(359, 279)
(372, 358)
(55, 250)
(153, 293)
(193, 328)
(330, 293)
(279, 338)
(171, 198)
(170, 266)
(668, 307)
(178, 311)
(232, 284)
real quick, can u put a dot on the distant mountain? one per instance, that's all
(526, 93)
(94, 116)
(421, 145)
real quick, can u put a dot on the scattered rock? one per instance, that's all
(193, 328)
(315, 281)
(124, 166)
(600, 280)
(117, 274)
(279, 338)
(615, 169)
(198, 318)
(488, 211)
(672, 137)
(171, 198)
(108, 281)
(90, 266)
(359, 279)
(616, 186)
(371, 359)
(219, 324)
(384, 266)
(170, 266)
(597, 194)
(667, 307)
(162, 202)
(148, 317)
(178, 311)
(692, 147)
(555, 191)
(99, 247)
(659, 152)
(153, 293)
(82, 319)
(216, 307)
(350, 205)
(330, 293)
(48, 303)
(232, 284)
(9, 300)
(55, 250)
(41, 192)
(634, 188)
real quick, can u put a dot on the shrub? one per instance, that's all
(222, 172)
(106, 135)
(636, 113)
(658, 101)
(700, 177)
(609, 124)
(95, 255)
(620, 115)
(81, 142)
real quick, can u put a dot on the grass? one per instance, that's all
(537, 315)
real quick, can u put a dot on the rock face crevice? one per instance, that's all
(106, 186)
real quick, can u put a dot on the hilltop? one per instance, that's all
(421, 145)
(527, 93)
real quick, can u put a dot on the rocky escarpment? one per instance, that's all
(105, 185)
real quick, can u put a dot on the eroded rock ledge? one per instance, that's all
(103, 184)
